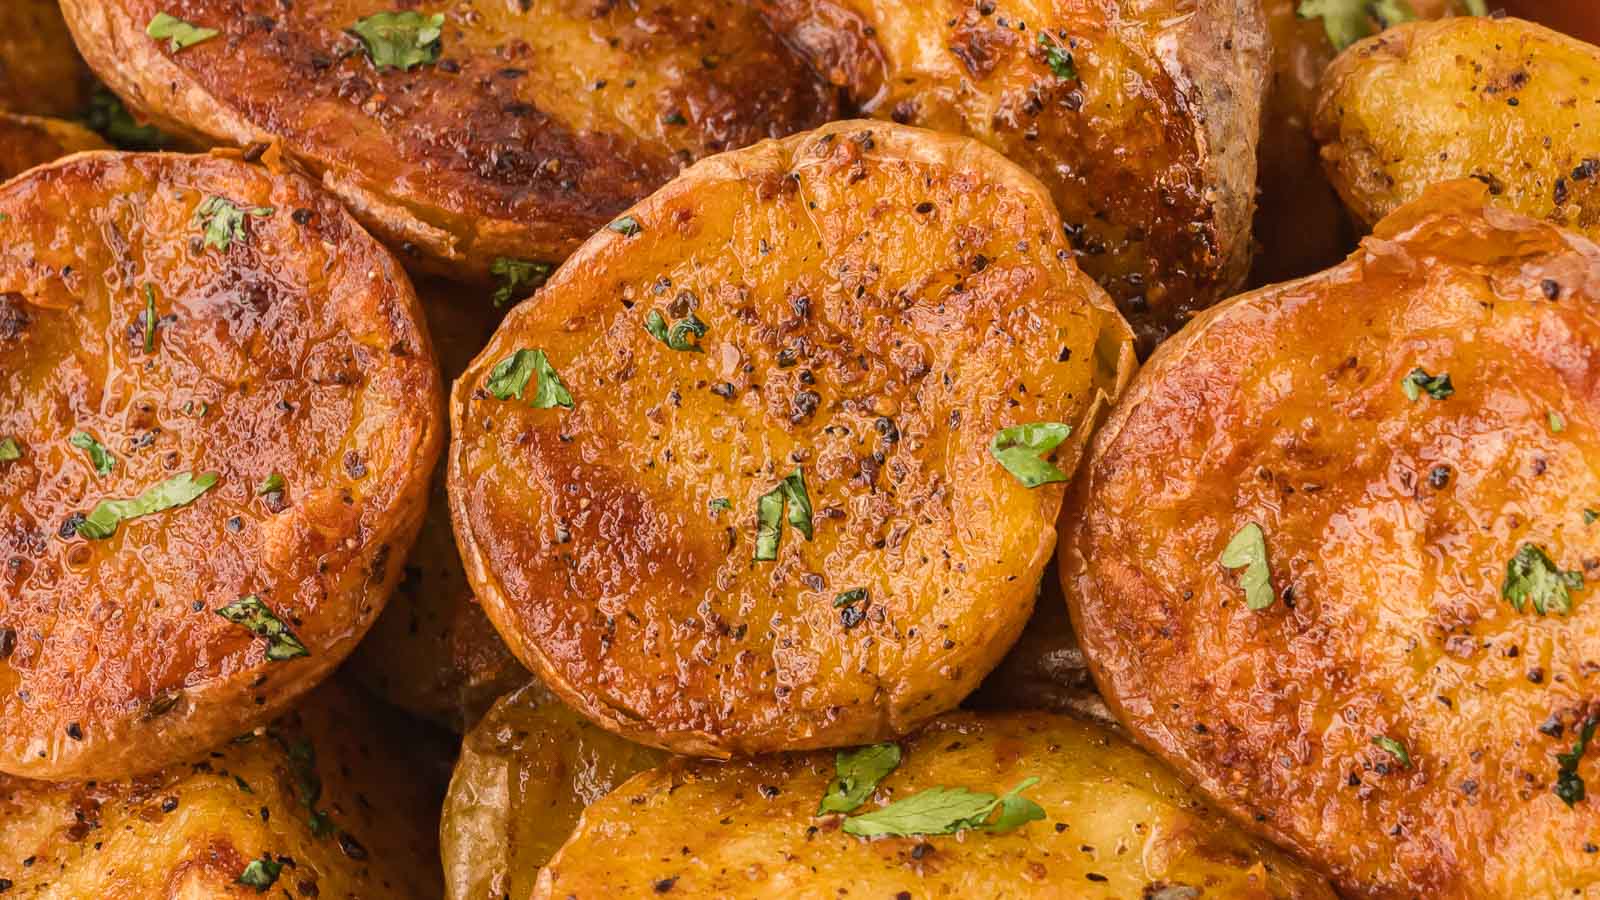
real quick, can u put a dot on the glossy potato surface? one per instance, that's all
(190, 830)
(1148, 147)
(539, 121)
(879, 302)
(41, 73)
(298, 350)
(527, 771)
(1512, 104)
(1118, 824)
(28, 141)
(1388, 527)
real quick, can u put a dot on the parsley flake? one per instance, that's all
(942, 810)
(223, 222)
(511, 375)
(719, 504)
(856, 775)
(678, 336)
(271, 484)
(102, 459)
(1569, 784)
(627, 226)
(1393, 747)
(1558, 423)
(1059, 58)
(1531, 574)
(1418, 380)
(260, 874)
(845, 598)
(1021, 450)
(149, 319)
(179, 490)
(517, 278)
(1589, 515)
(400, 40)
(1248, 550)
(10, 450)
(254, 615)
(178, 34)
(789, 494)
(1348, 21)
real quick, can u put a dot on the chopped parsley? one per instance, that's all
(517, 278)
(719, 504)
(178, 34)
(307, 783)
(678, 336)
(942, 810)
(1532, 575)
(223, 222)
(10, 450)
(254, 615)
(1393, 747)
(856, 775)
(791, 494)
(1418, 381)
(1569, 784)
(103, 461)
(1248, 550)
(260, 874)
(1589, 515)
(1021, 450)
(271, 484)
(1348, 21)
(1059, 58)
(511, 375)
(179, 490)
(400, 40)
(149, 319)
(1558, 423)
(845, 598)
(627, 226)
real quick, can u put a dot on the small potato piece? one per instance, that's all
(41, 73)
(877, 303)
(538, 121)
(285, 342)
(1391, 714)
(28, 141)
(1141, 119)
(1512, 104)
(327, 792)
(526, 773)
(1117, 824)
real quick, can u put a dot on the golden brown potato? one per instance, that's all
(433, 652)
(517, 132)
(1394, 706)
(1512, 104)
(324, 802)
(216, 387)
(526, 772)
(875, 303)
(41, 73)
(27, 141)
(1116, 824)
(1141, 118)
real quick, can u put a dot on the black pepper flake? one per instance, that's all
(1439, 477)
(1096, 876)
(351, 847)
(8, 642)
(169, 804)
(1551, 288)
(886, 427)
(1536, 675)
(302, 216)
(723, 389)
(353, 465)
(924, 208)
(665, 884)
(75, 731)
(235, 525)
(69, 527)
(851, 616)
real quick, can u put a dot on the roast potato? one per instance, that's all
(1116, 824)
(1378, 459)
(526, 772)
(27, 141)
(324, 802)
(41, 73)
(859, 312)
(202, 509)
(515, 133)
(1507, 102)
(1141, 118)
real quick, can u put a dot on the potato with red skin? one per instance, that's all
(538, 122)
(1390, 714)
(877, 302)
(41, 73)
(285, 342)
(28, 141)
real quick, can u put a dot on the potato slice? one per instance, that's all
(877, 303)
(1116, 824)
(1504, 101)
(28, 141)
(1404, 430)
(324, 802)
(526, 773)
(511, 130)
(267, 434)
(41, 73)
(1141, 118)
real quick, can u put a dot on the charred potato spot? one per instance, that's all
(1387, 713)
(1117, 824)
(526, 773)
(536, 123)
(40, 71)
(26, 142)
(1507, 102)
(200, 353)
(877, 303)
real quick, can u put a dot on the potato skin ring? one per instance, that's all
(298, 350)
(922, 288)
(1389, 524)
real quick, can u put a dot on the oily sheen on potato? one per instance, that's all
(1114, 823)
(1334, 557)
(219, 412)
(727, 485)
(1141, 119)
(473, 135)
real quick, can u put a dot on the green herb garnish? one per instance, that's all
(511, 375)
(1348, 21)
(224, 222)
(102, 459)
(1569, 784)
(1590, 515)
(149, 319)
(1557, 422)
(678, 336)
(10, 450)
(719, 504)
(627, 226)
(1531, 574)
(270, 484)
(942, 810)
(1393, 748)
(1059, 58)
(517, 278)
(260, 874)
(1418, 380)
(845, 598)
(856, 775)
(178, 33)
(400, 40)
(1248, 550)
(790, 493)
(254, 615)
(1021, 450)
(179, 490)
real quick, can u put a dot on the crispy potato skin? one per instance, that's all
(1505, 101)
(1132, 828)
(28, 141)
(538, 124)
(189, 830)
(527, 771)
(1149, 152)
(1389, 523)
(921, 287)
(41, 73)
(299, 350)
(433, 652)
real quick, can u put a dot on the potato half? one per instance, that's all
(506, 130)
(527, 771)
(1512, 104)
(1117, 824)
(771, 517)
(1141, 119)
(41, 73)
(28, 141)
(1395, 463)
(219, 414)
